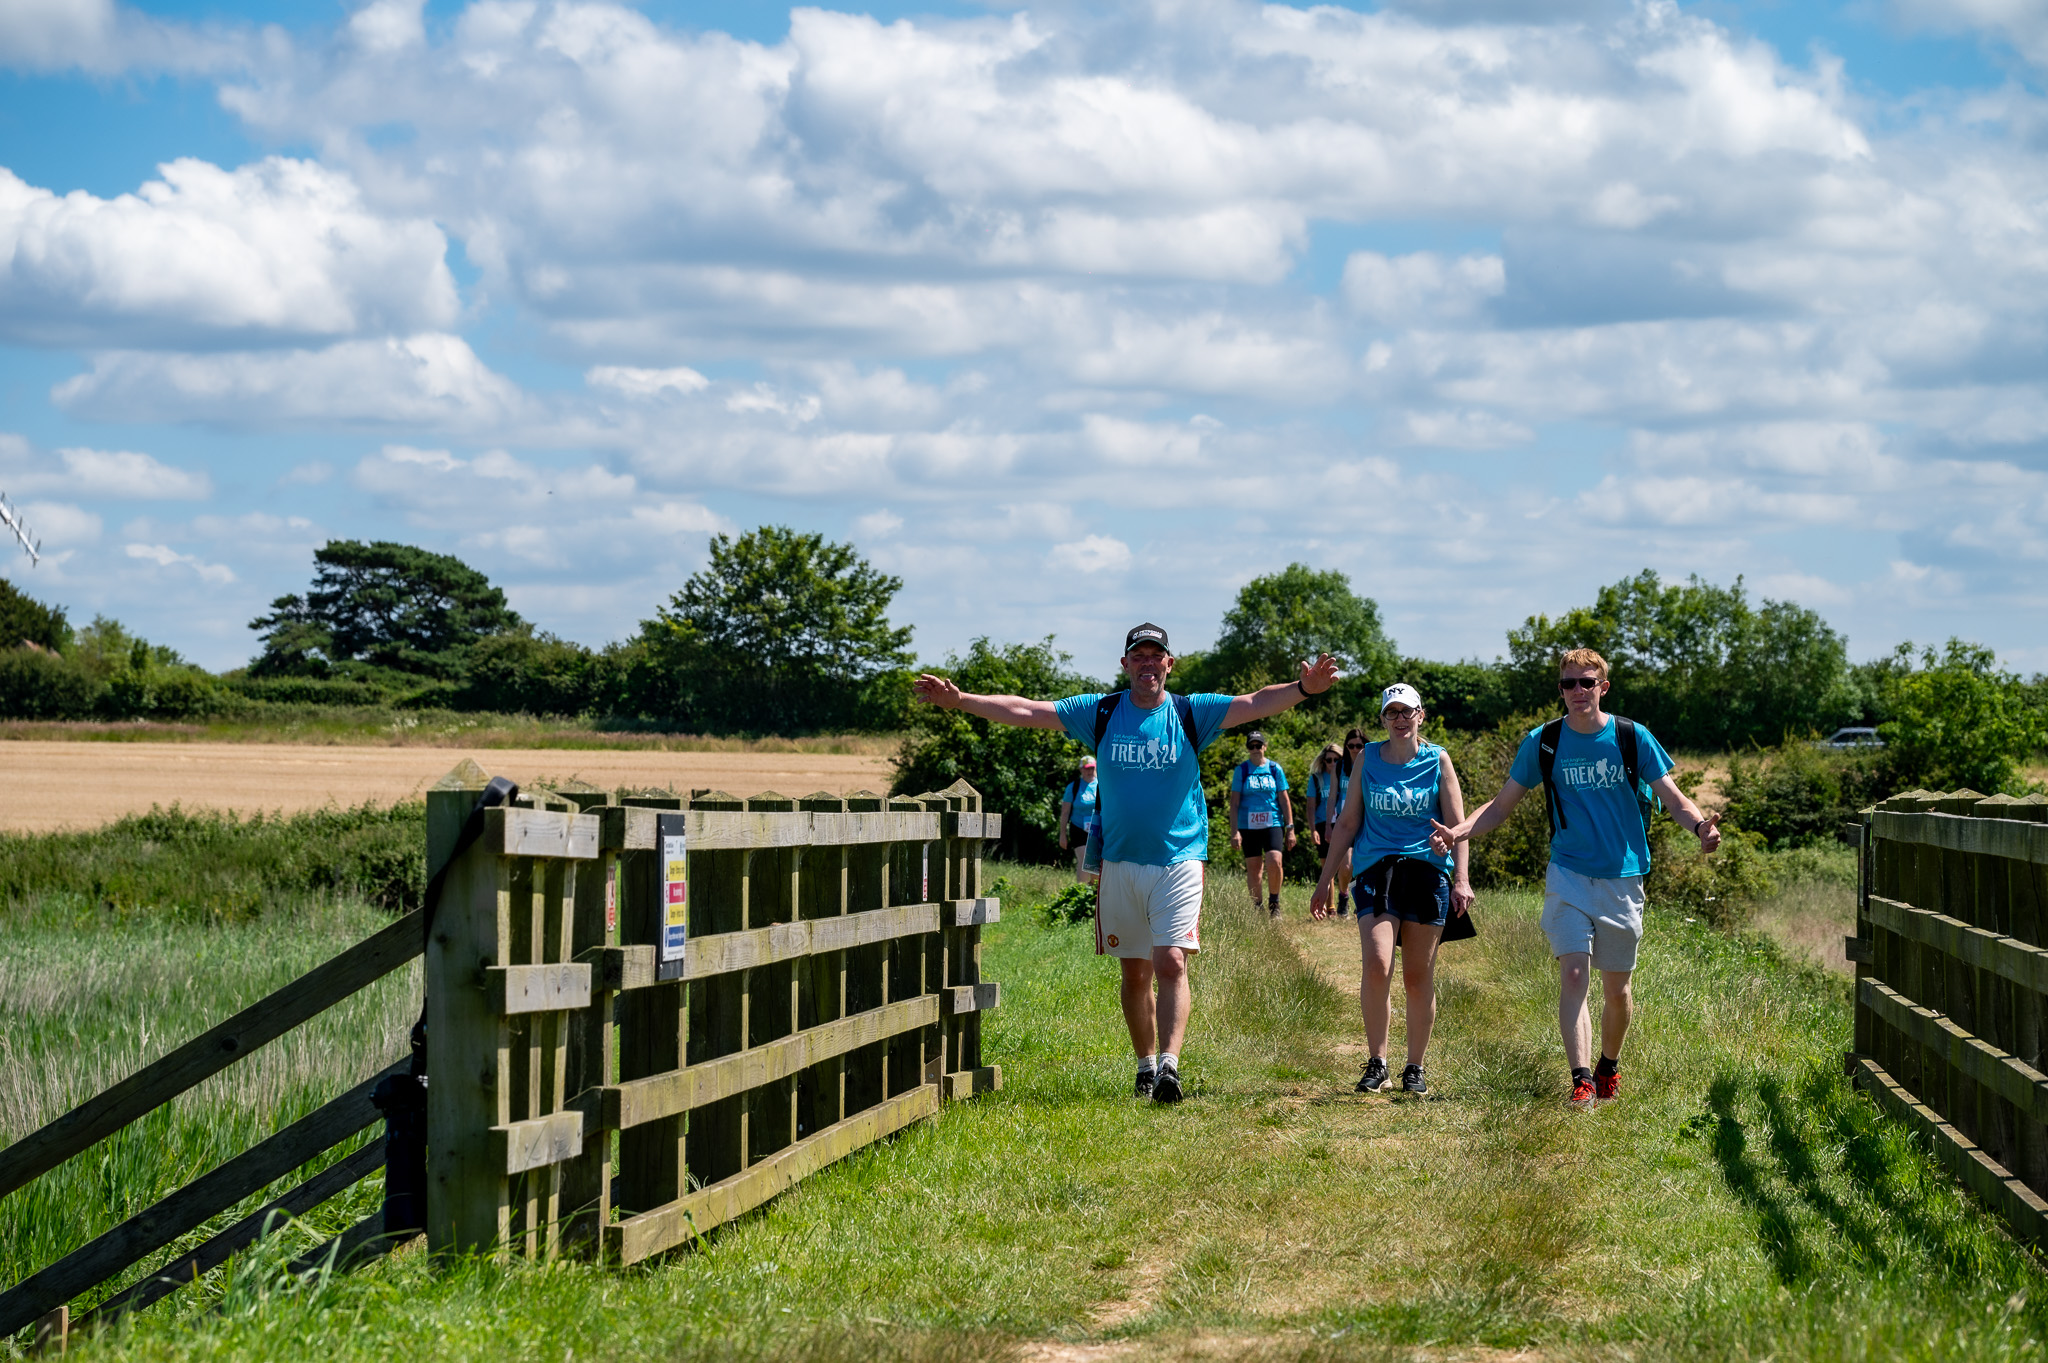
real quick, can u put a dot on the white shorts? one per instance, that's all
(1139, 907)
(1601, 918)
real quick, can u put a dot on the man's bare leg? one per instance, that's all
(1375, 988)
(1619, 1010)
(1139, 1011)
(1574, 979)
(1169, 967)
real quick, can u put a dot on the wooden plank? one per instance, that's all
(363, 1241)
(971, 998)
(966, 1083)
(514, 989)
(52, 1333)
(1858, 951)
(2016, 839)
(2019, 1083)
(2004, 956)
(210, 1052)
(623, 1106)
(2023, 1210)
(968, 913)
(620, 967)
(469, 1055)
(651, 1232)
(180, 1272)
(725, 952)
(715, 830)
(542, 833)
(206, 1196)
(626, 829)
(537, 1142)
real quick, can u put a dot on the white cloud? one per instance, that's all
(101, 36)
(879, 524)
(114, 474)
(645, 383)
(283, 248)
(1091, 554)
(1421, 288)
(164, 556)
(429, 380)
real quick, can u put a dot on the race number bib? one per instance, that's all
(1259, 818)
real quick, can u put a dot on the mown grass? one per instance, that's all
(1740, 1202)
(384, 726)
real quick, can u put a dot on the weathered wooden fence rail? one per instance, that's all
(1951, 976)
(713, 996)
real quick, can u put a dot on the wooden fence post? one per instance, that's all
(652, 1021)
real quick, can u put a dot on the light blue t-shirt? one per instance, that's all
(1326, 792)
(1397, 804)
(1258, 793)
(1603, 833)
(1082, 797)
(1149, 783)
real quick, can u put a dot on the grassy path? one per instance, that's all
(1740, 1202)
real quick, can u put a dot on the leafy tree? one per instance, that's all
(1957, 722)
(1284, 617)
(1019, 772)
(390, 605)
(782, 632)
(25, 620)
(1697, 663)
(521, 671)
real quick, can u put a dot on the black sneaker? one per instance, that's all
(1166, 1088)
(1375, 1077)
(1146, 1079)
(1413, 1082)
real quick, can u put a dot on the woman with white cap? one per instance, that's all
(1078, 815)
(1405, 890)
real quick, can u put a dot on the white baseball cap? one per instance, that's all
(1400, 693)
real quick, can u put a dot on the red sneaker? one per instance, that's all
(1582, 1092)
(1607, 1086)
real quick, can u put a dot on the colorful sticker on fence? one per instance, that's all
(611, 898)
(675, 890)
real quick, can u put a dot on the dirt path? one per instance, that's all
(51, 785)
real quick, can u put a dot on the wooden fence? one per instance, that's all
(1951, 974)
(743, 990)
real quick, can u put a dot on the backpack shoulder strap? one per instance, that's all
(1244, 769)
(1625, 739)
(1186, 709)
(1104, 708)
(1546, 759)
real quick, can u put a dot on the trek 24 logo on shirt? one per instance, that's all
(1137, 753)
(1581, 774)
(1401, 803)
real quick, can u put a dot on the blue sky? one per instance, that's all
(1065, 314)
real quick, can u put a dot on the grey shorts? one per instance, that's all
(1600, 918)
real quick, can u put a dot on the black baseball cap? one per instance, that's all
(1147, 633)
(1255, 739)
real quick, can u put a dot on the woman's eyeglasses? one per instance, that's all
(1577, 683)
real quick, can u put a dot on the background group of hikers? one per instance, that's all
(1389, 817)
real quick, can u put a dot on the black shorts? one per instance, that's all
(1077, 837)
(1259, 841)
(1404, 888)
(1322, 835)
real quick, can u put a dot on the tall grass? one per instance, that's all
(1740, 1202)
(388, 726)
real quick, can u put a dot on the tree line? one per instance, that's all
(787, 632)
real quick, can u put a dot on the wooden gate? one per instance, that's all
(826, 992)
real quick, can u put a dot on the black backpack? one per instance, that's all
(1624, 738)
(1106, 707)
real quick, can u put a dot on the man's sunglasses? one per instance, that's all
(1578, 683)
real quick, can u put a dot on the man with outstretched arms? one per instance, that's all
(1591, 765)
(1155, 822)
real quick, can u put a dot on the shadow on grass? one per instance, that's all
(1789, 1143)
(1791, 1260)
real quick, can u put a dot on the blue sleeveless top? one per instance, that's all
(1399, 803)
